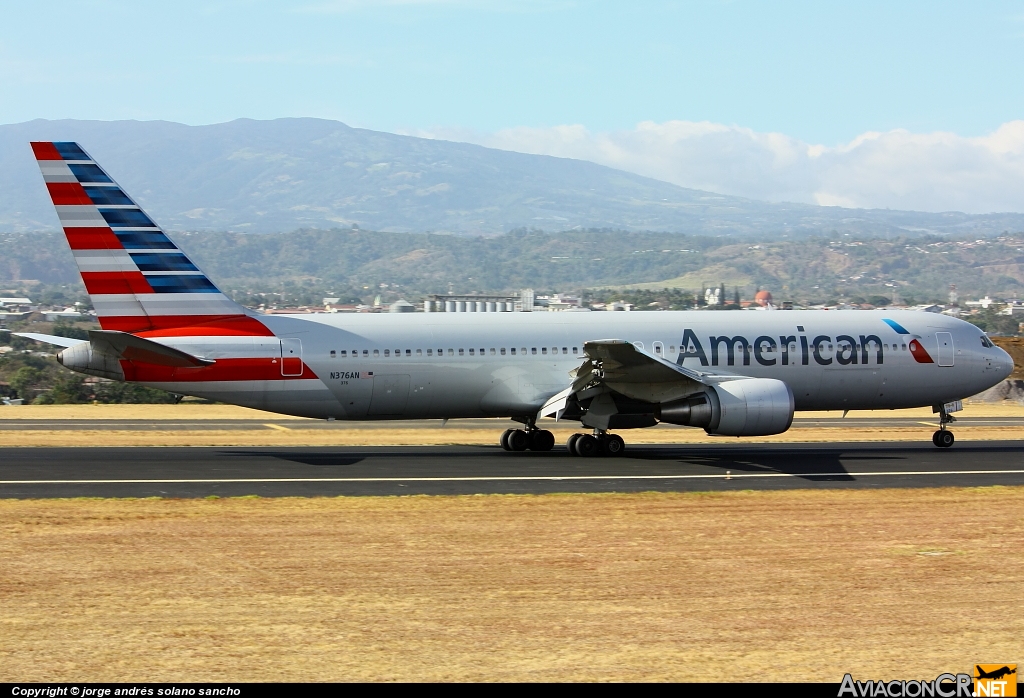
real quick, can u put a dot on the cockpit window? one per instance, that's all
(986, 342)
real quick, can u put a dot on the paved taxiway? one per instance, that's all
(277, 472)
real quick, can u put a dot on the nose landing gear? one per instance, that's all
(943, 438)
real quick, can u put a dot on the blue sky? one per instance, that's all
(820, 72)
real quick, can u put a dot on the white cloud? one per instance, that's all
(896, 169)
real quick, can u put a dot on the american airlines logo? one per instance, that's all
(797, 349)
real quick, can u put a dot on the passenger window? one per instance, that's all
(419, 352)
(903, 347)
(534, 351)
(387, 352)
(471, 351)
(503, 351)
(492, 351)
(543, 350)
(523, 351)
(451, 352)
(574, 350)
(462, 352)
(334, 353)
(344, 353)
(408, 352)
(376, 352)
(430, 352)
(672, 349)
(565, 350)
(481, 351)
(513, 351)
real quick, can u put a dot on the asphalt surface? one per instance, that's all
(497, 424)
(279, 472)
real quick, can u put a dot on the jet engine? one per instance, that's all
(746, 407)
(84, 358)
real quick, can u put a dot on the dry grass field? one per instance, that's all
(790, 585)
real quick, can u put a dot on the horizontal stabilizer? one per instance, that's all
(49, 339)
(132, 348)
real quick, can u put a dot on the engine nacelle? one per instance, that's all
(694, 411)
(84, 359)
(747, 407)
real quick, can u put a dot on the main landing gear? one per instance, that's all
(599, 443)
(943, 438)
(530, 438)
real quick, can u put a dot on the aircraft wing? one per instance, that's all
(619, 366)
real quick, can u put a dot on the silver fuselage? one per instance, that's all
(451, 365)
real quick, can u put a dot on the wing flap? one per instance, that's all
(621, 367)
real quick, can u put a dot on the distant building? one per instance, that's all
(15, 308)
(347, 308)
(984, 303)
(1013, 307)
(480, 303)
(66, 314)
(558, 302)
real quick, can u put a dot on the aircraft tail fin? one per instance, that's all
(136, 276)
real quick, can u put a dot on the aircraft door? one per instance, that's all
(291, 357)
(390, 395)
(945, 342)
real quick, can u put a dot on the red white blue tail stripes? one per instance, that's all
(138, 279)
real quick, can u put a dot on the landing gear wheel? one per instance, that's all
(504, 439)
(587, 446)
(518, 440)
(614, 445)
(570, 445)
(943, 438)
(541, 440)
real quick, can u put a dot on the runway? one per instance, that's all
(884, 421)
(305, 472)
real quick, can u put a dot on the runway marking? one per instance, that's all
(277, 426)
(508, 478)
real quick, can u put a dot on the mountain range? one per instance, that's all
(285, 174)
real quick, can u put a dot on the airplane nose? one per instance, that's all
(1007, 364)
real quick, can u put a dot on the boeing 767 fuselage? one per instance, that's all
(166, 325)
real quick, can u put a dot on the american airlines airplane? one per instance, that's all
(166, 325)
